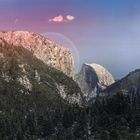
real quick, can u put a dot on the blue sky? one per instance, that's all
(103, 31)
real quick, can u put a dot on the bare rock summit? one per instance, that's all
(92, 79)
(49, 52)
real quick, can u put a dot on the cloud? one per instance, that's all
(57, 19)
(62, 19)
(70, 18)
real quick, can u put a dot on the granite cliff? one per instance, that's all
(18, 65)
(49, 52)
(92, 79)
(36, 101)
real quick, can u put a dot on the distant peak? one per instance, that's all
(102, 73)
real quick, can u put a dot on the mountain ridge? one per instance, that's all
(49, 52)
(19, 64)
(129, 82)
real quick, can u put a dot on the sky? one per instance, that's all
(103, 31)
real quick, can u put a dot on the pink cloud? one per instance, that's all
(57, 19)
(62, 19)
(70, 18)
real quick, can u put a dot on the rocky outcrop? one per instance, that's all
(92, 79)
(29, 75)
(49, 52)
(126, 85)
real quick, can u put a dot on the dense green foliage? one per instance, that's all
(116, 117)
(33, 116)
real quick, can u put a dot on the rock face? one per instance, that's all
(30, 75)
(47, 51)
(128, 84)
(92, 79)
(36, 100)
